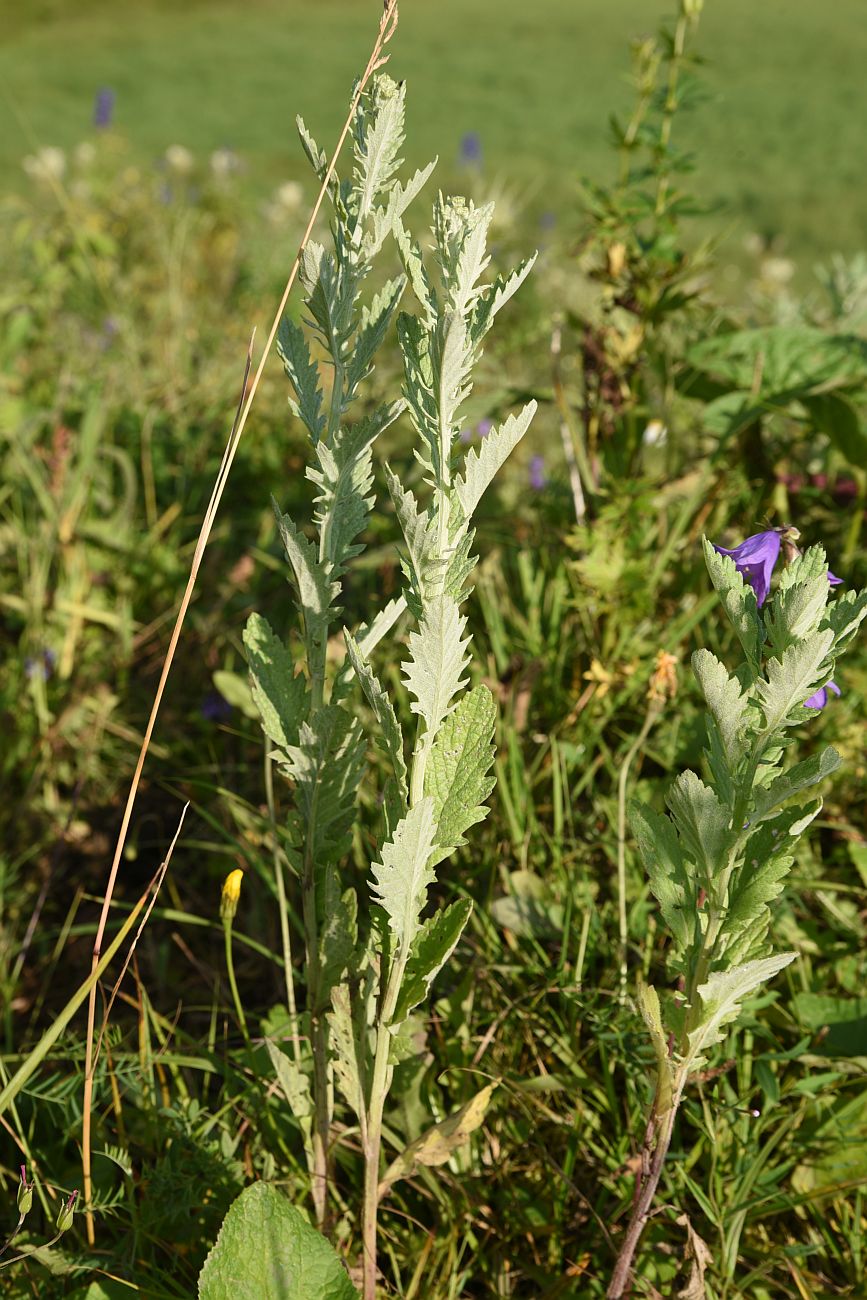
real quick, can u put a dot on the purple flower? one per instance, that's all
(820, 698)
(215, 708)
(755, 559)
(466, 435)
(103, 108)
(471, 149)
(835, 582)
(538, 477)
(484, 427)
(40, 666)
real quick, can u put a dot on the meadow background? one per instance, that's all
(135, 265)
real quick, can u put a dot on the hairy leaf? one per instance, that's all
(327, 765)
(702, 822)
(389, 736)
(721, 997)
(792, 678)
(797, 778)
(739, 602)
(434, 673)
(458, 771)
(483, 463)
(401, 879)
(431, 949)
(435, 1146)
(280, 694)
(663, 861)
(303, 375)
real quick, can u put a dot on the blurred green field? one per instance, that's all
(778, 137)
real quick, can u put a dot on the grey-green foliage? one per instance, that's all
(314, 736)
(720, 857)
(362, 987)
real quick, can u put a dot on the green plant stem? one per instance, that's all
(670, 107)
(25, 1254)
(233, 984)
(379, 1088)
(652, 715)
(282, 903)
(13, 1234)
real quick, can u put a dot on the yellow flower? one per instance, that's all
(231, 893)
(600, 677)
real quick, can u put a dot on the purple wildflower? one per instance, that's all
(215, 708)
(820, 698)
(466, 435)
(41, 665)
(538, 477)
(755, 559)
(103, 108)
(484, 427)
(471, 149)
(548, 220)
(835, 582)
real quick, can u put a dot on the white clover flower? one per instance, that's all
(49, 164)
(179, 159)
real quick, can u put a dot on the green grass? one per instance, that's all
(779, 135)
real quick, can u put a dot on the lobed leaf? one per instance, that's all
(280, 695)
(402, 877)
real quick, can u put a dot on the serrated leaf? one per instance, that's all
(385, 219)
(797, 778)
(483, 463)
(294, 1084)
(303, 375)
(348, 1050)
(338, 935)
(368, 638)
(378, 134)
(798, 606)
(703, 824)
(266, 1250)
(434, 673)
(491, 299)
(431, 949)
(402, 877)
(327, 764)
(375, 320)
(758, 880)
(279, 695)
(389, 736)
(844, 617)
(666, 872)
(344, 479)
(436, 1146)
(458, 771)
(315, 589)
(721, 997)
(738, 601)
(792, 678)
(413, 265)
(726, 701)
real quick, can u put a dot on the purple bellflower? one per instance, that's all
(754, 560)
(820, 698)
(538, 477)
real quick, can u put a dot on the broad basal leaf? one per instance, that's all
(266, 1250)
